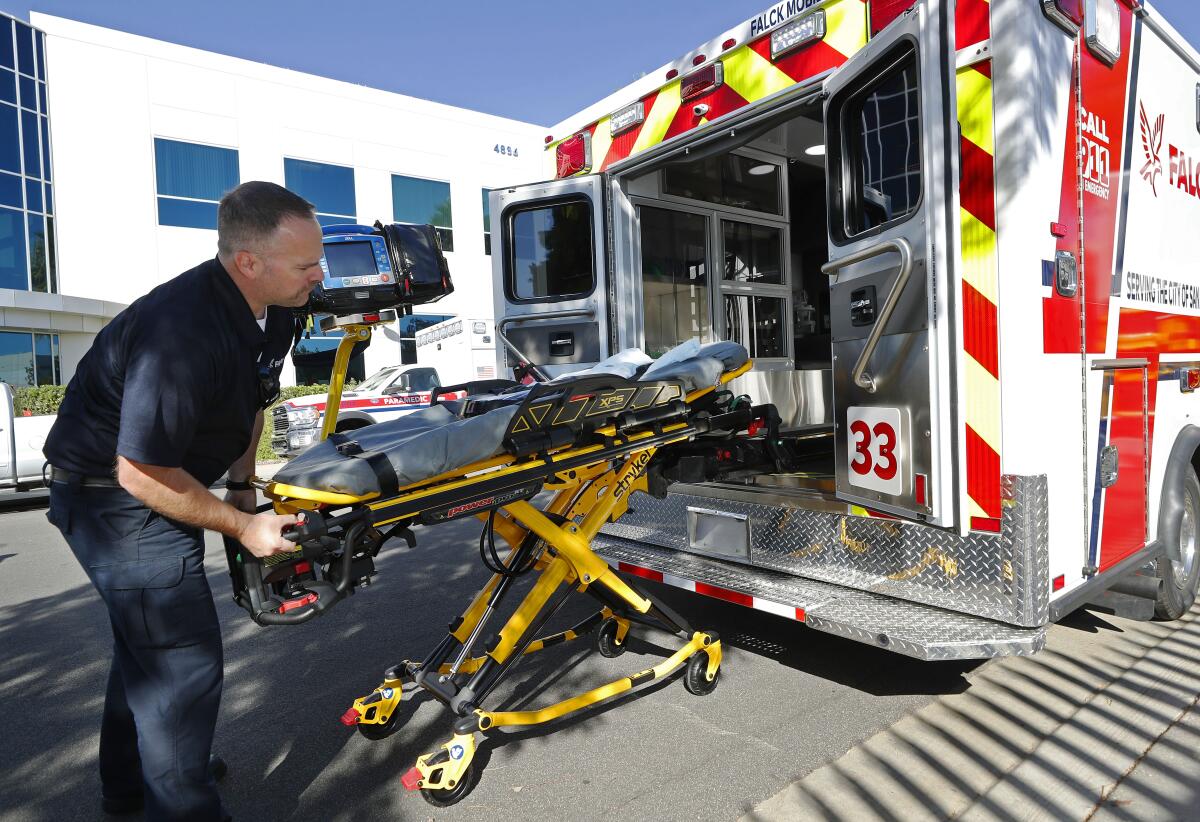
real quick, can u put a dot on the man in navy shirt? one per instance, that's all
(169, 398)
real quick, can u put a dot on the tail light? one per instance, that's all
(1189, 380)
(883, 12)
(1067, 13)
(574, 155)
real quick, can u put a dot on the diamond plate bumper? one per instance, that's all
(907, 628)
(998, 576)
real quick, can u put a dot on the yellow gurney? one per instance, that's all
(590, 439)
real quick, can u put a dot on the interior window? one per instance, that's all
(882, 145)
(728, 180)
(756, 323)
(752, 253)
(552, 251)
(674, 278)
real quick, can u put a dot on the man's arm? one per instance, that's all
(242, 469)
(175, 493)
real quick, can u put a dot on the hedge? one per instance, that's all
(45, 399)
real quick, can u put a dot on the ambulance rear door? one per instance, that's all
(551, 269)
(891, 154)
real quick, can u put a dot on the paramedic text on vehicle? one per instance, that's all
(168, 399)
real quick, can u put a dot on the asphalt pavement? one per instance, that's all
(791, 704)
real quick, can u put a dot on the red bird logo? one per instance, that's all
(1152, 138)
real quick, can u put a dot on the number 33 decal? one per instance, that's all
(875, 451)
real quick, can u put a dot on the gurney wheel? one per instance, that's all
(452, 796)
(695, 678)
(376, 732)
(606, 640)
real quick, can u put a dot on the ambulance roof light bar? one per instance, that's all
(807, 29)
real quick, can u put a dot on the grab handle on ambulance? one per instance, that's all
(587, 313)
(899, 246)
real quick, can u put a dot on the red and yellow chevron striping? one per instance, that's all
(750, 75)
(981, 330)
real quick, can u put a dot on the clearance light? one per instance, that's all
(574, 154)
(728, 44)
(806, 30)
(627, 118)
(1102, 29)
(1189, 380)
(1067, 13)
(701, 82)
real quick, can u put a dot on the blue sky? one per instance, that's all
(534, 61)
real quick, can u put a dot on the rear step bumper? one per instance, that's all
(919, 631)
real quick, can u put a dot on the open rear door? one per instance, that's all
(552, 307)
(893, 242)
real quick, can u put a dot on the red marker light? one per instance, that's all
(1059, 582)
(698, 59)
(728, 44)
(672, 74)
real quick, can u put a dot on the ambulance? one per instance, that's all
(958, 239)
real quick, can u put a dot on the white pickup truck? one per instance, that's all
(385, 395)
(21, 441)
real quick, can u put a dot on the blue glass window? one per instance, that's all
(42, 99)
(424, 201)
(28, 92)
(10, 140)
(202, 174)
(46, 148)
(39, 275)
(25, 49)
(13, 273)
(32, 146)
(41, 56)
(10, 191)
(187, 213)
(49, 200)
(45, 354)
(487, 223)
(330, 188)
(8, 86)
(33, 195)
(6, 47)
(51, 261)
(16, 358)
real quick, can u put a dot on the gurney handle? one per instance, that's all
(636, 419)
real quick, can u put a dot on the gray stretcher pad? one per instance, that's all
(437, 440)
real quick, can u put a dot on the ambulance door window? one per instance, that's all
(675, 281)
(551, 255)
(881, 131)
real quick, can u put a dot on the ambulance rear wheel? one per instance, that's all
(695, 678)
(452, 796)
(1181, 579)
(606, 640)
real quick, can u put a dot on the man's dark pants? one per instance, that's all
(164, 686)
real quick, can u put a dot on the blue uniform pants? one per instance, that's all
(164, 687)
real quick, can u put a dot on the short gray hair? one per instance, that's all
(250, 213)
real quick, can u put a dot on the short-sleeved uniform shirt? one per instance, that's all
(175, 380)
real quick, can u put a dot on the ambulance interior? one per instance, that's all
(732, 239)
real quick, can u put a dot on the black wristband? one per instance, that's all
(242, 485)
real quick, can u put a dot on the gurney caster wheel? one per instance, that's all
(695, 678)
(376, 732)
(452, 796)
(606, 640)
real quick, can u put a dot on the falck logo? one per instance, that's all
(1152, 140)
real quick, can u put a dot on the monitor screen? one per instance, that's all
(350, 260)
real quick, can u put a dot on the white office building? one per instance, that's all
(132, 141)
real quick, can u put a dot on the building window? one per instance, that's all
(330, 188)
(192, 179)
(28, 359)
(487, 223)
(424, 202)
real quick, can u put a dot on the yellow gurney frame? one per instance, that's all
(591, 485)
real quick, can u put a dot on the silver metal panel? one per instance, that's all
(801, 397)
(718, 533)
(906, 628)
(997, 576)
